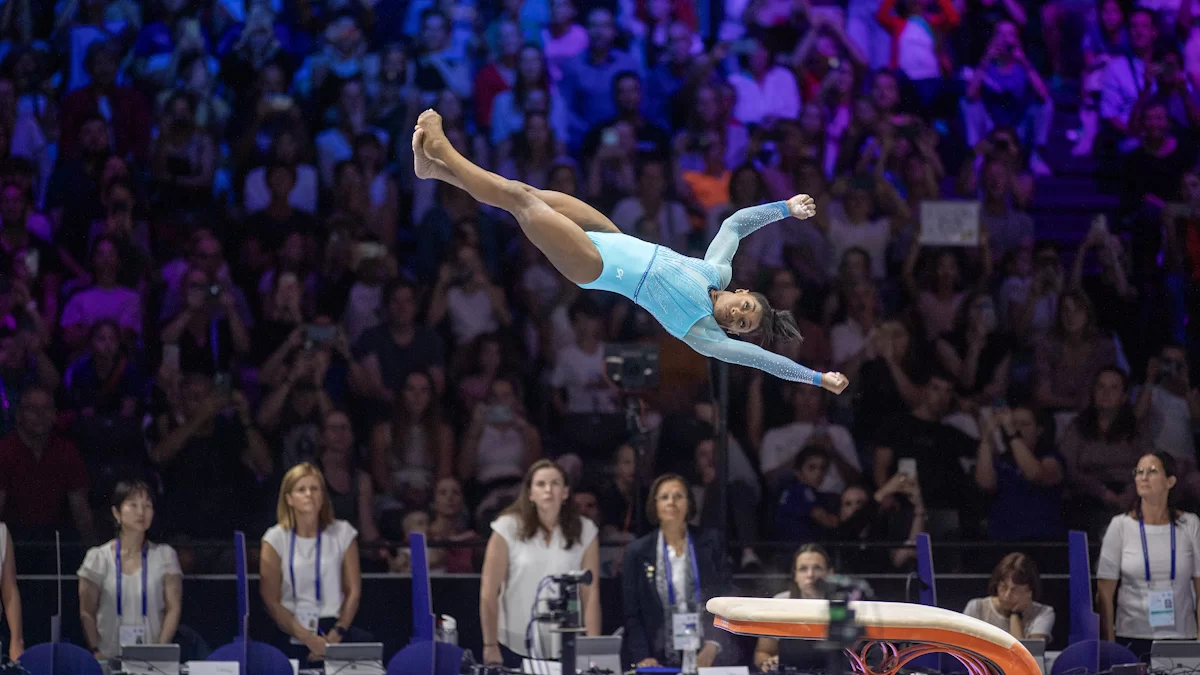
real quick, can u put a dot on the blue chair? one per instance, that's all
(1078, 657)
(59, 658)
(261, 658)
(414, 659)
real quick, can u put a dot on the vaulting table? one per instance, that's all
(983, 648)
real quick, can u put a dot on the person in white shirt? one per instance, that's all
(10, 596)
(1152, 550)
(311, 580)
(765, 92)
(578, 377)
(781, 444)
(130, 589)
(1010, 600)
(540, 535)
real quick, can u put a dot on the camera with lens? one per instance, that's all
(632, 366)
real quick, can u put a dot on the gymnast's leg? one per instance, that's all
(563, 242)
(582, 213)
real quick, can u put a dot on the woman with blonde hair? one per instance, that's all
(311, 581)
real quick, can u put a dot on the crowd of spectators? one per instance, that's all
(216, 263)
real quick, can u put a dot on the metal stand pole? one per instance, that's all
(722, 458)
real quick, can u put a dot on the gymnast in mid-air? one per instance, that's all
(686, 295)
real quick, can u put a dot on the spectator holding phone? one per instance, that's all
(1152, 549)
(1010, 604)
(499, 445)
(1018, 468)
(208, 330)
(1168, 406)
(209, 459)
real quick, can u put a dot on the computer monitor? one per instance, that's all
(1175, 654)
(355, 658)
(150, 659)
(1037, 649)
(601, 653)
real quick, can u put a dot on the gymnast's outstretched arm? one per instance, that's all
(746, 221)
(707, 338)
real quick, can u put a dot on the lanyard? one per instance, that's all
(292, 566)
(1146, 549)
(671, 579)
(121, 574)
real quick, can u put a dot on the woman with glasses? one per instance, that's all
(667, 577)
(1010, 604)
(1153, 550)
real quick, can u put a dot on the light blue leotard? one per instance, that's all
(675, 289)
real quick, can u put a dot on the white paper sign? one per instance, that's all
(213, 667)
(949, 223)
(726, 670)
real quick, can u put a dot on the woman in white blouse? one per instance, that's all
(130, 589)
(311, 581)
(10, 597)
(1009, 603)
(1152, 550)
(540, 535)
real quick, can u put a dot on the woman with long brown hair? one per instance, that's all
(413, 449)
(540, 535)
(810, 564)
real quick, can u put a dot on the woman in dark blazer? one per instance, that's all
(660, 569)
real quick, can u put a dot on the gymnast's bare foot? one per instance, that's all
(423, 165)
(435, 142)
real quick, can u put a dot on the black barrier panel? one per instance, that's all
(386, 610)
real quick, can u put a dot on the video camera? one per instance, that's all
(632, 366)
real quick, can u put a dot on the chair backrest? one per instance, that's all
(59, 658)
(1085, 623)
(415, 659)
(1081, 657)
(262, 658)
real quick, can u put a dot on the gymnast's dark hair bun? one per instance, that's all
(776, 325)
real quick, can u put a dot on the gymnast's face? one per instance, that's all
(738, 313)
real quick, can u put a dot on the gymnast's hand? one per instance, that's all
(802, 207)
(835, 382)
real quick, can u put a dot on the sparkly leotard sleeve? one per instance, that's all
(707, 337)
(675, 289)
(740, 225)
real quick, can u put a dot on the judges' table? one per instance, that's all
(981, 647)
